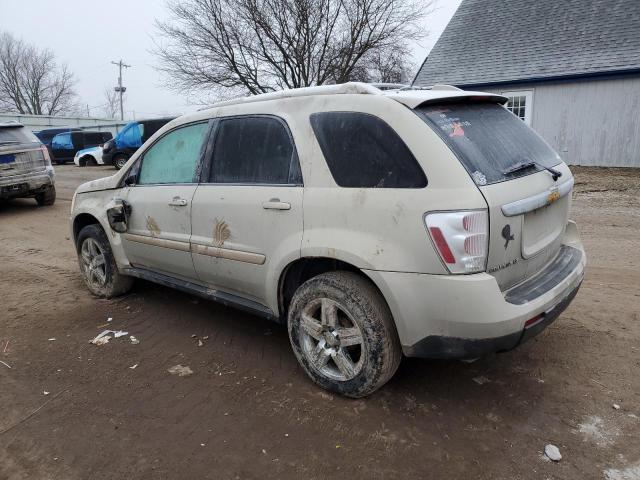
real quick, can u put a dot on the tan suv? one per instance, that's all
(373, 222)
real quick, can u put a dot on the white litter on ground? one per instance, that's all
(616, 406)
(180, 370)
(552, 452)
(104, 336)
(46, 393)
(133, 367)
(134, 340)
(5, 364)
(109, 319)
(52, 339)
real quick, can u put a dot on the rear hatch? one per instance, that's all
(20, 151)
(525, 184)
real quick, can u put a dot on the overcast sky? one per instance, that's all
(88, 35)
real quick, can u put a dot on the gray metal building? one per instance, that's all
(571, 70)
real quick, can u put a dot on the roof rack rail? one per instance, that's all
(340, 88)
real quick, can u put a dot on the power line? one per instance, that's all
(120, 89)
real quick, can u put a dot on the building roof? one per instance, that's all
(496, 41)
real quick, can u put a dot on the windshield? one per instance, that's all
(18, 134)
(492, 143)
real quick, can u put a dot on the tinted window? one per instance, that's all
(174, 158)
(93, 138)
(253, 150)
(18, 134)
(62, 141)
(489, 140)
(361, 150)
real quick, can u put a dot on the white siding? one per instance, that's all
(594, 122)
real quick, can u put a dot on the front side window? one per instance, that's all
(174, 158)
(62, 141)
(253, 150)
(362, 151)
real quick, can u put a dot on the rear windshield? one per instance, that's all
(16, 135)
(492, 143)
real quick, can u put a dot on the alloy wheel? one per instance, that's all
(331, 340)
(93, 263)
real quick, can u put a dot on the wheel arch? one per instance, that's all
(304, 268)
(80, 221)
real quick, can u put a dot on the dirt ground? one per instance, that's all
(248, 410)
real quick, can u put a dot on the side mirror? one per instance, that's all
(118, 215)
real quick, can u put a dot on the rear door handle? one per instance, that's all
(178, 202)
(276, 204)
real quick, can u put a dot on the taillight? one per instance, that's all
(461, 239)
(47, 157)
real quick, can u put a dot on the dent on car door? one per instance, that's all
(158, 203)
(247, 212)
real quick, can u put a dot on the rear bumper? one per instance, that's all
(26, 184)
(467, 316)
(452, 347)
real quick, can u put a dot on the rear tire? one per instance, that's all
(119, 161)
(343, 334)
(48, 197)
(98, 266)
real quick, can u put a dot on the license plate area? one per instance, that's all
(543, 226)
(15, 188)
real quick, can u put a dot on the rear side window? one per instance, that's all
(361, 150)
(174, 158)
(93, 138)
(254, 150)
(492, 143)
(18, 134)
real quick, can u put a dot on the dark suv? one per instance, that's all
(25, 165)
(64, 146)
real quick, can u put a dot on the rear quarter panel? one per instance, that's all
(378, 228)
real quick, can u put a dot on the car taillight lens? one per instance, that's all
(461, 239)
(45, 154)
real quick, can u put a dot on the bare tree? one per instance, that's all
(259, 46)
(111, 106)
(32, 82)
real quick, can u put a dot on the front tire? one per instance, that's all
(343, 334)
(98, 266)
(47, 197)
(120, 161)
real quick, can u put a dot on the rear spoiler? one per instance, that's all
(419, 98)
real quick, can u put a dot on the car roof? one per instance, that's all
(405, 94)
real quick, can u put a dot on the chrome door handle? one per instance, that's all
(178, 202)
(276, 204)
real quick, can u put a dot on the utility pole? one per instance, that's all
(120, 89)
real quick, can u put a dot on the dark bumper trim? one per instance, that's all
(440, 347)
(560, 267)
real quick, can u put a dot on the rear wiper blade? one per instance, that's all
(518, 167)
